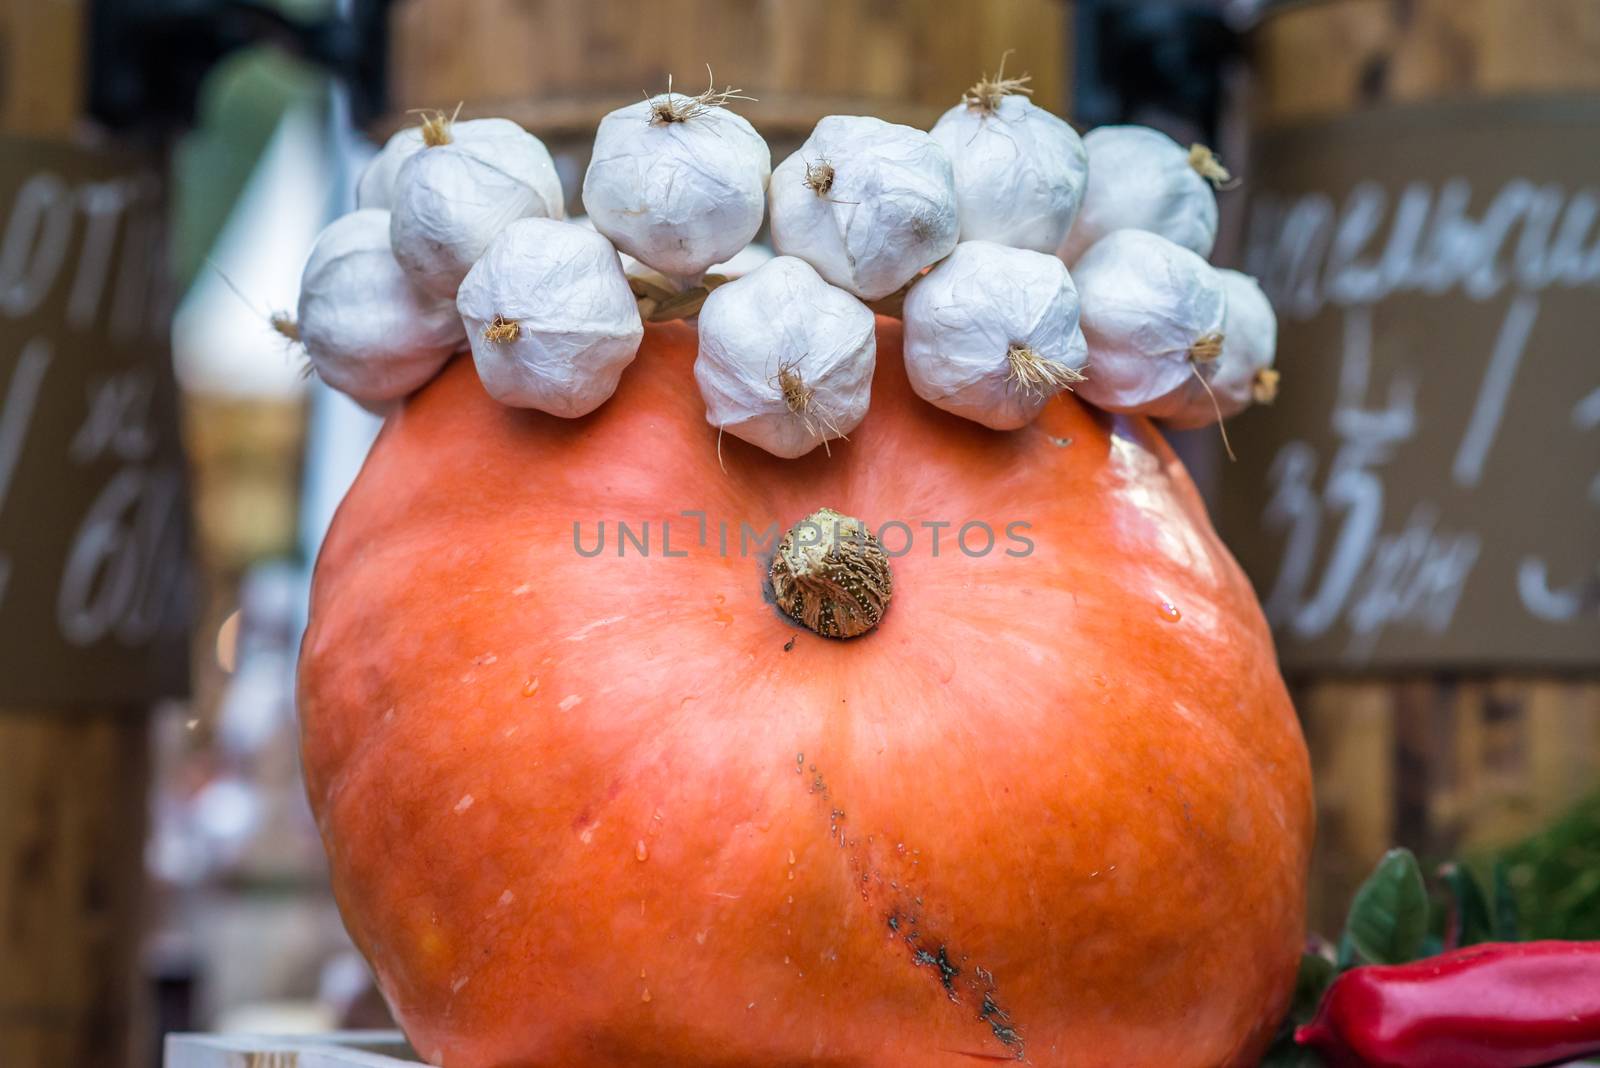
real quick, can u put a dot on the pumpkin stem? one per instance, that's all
(831, 575)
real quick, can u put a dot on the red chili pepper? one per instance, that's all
(1495, 1005)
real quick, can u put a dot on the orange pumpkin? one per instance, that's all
(621, 810)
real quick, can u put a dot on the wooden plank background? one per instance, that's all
(560, 65)
(1442, 763)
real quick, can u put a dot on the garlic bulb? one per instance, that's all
(1141, 179)
(550, 317)
(1243, 371)
(451, 199)
(868, 203)
(677, 182)
(1020, 171)
(369, 332)
(785, 359)
(1153, 316)
(991, 334)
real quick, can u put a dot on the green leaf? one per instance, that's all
(1346, 956)
(1469, 907)
(1389, 916)
(1316, 972)
(1506, 923)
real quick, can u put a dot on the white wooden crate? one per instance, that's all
(338, 1049)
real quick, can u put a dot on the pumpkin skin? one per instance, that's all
(622, 811)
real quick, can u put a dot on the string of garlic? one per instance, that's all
(369, 332)
(1141, 179)
(868, 203)
(550, 318)
(992, 333)
(1153, 316)
(785, 359)
(678, 184)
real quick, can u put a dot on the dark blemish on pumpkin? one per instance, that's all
(925, 948)
(1009, 1036)
(947, 971)
(788, 645)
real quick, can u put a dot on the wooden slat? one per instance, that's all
(72, 821)
(571, 61)
(41, 66)
(1333, 56)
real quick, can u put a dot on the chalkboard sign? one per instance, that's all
(1426, 491)
(93, 580)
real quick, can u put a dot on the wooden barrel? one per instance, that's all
(74, 763)
(1472, 733)
(558, 66)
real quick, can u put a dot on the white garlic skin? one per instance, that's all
(1020, 172)
(677, 196)
(578, 326)
(369, 332)
(784, 316)
(1141, 179)
(375, 187)
(963, 318)
(451, 200)
(1250, 341)
(890, 211)
(1146, 302)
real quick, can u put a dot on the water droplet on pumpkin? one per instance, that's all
(530, 687)
(791, 856)
(1169, 611)
(645, 995)
(791, 875)
(641, 850)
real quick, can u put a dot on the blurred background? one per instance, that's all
(1420, 512)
